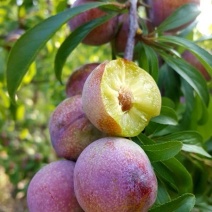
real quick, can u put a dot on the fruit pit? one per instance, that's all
(125, 99)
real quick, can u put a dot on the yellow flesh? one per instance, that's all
(146, 99)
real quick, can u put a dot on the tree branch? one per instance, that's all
(133, 23)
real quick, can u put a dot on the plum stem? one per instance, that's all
(133, 30)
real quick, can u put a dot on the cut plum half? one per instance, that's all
(120, 98)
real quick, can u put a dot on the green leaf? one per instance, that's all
(141, 56)
(167, 116)
(158, 151)
(184, 203)
(162, 195)
(203, 111)
(166, 176)
(204, 57)
(205, 130)
(155, 129)
(162, 151)
(27, 47)
(152, 59)
(174, 174)
(168, 102)
(204, 38)
(196, 113)
(188, 137)
(195, 149)
(143, 139)
(169, 83)
(190, 74)
(181, 16)
(188, 103)
(204, 207)
(73, 40)
(192, 141)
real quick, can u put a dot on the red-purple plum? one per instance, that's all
(114, 174)
(52, 189)
(159, 10)
(101, 34)
(70, 130)
(76, 80)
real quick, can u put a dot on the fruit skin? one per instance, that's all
(122, 34)
(70, 130)
(102, 117)
(52, 189)
(190, 58)
(77, 79)
(101, 34)
(161, 9)
(114, 174)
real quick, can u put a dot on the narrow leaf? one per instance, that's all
(163, 173)
(188, 137)
(168, 102)
(204, 38)
(155, 129)
(204, 57)
(204, 207)
(72, 42)
(162, 195)
(162, 151)
(181, 16)
(174, 174)
(182, 177)
(167, 116)
(27, 47)
(192, 141)
(152, 61)
(169, 83)
(183, 203)
(195, 149)
(143, 139)
(189, 99)
(190, 74)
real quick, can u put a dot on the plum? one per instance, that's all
(77, 79)
(120, 98)
(70, 130)
(52, 189)
(161, 9)
(101, 34)
(122, 34)
(114, 174)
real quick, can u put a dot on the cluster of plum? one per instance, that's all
(101, 168)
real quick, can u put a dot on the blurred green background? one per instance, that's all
(24, 138)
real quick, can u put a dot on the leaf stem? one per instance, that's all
(133, 22)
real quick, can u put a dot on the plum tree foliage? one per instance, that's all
(40, 52)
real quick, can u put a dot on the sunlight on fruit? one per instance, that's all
(205, 19)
